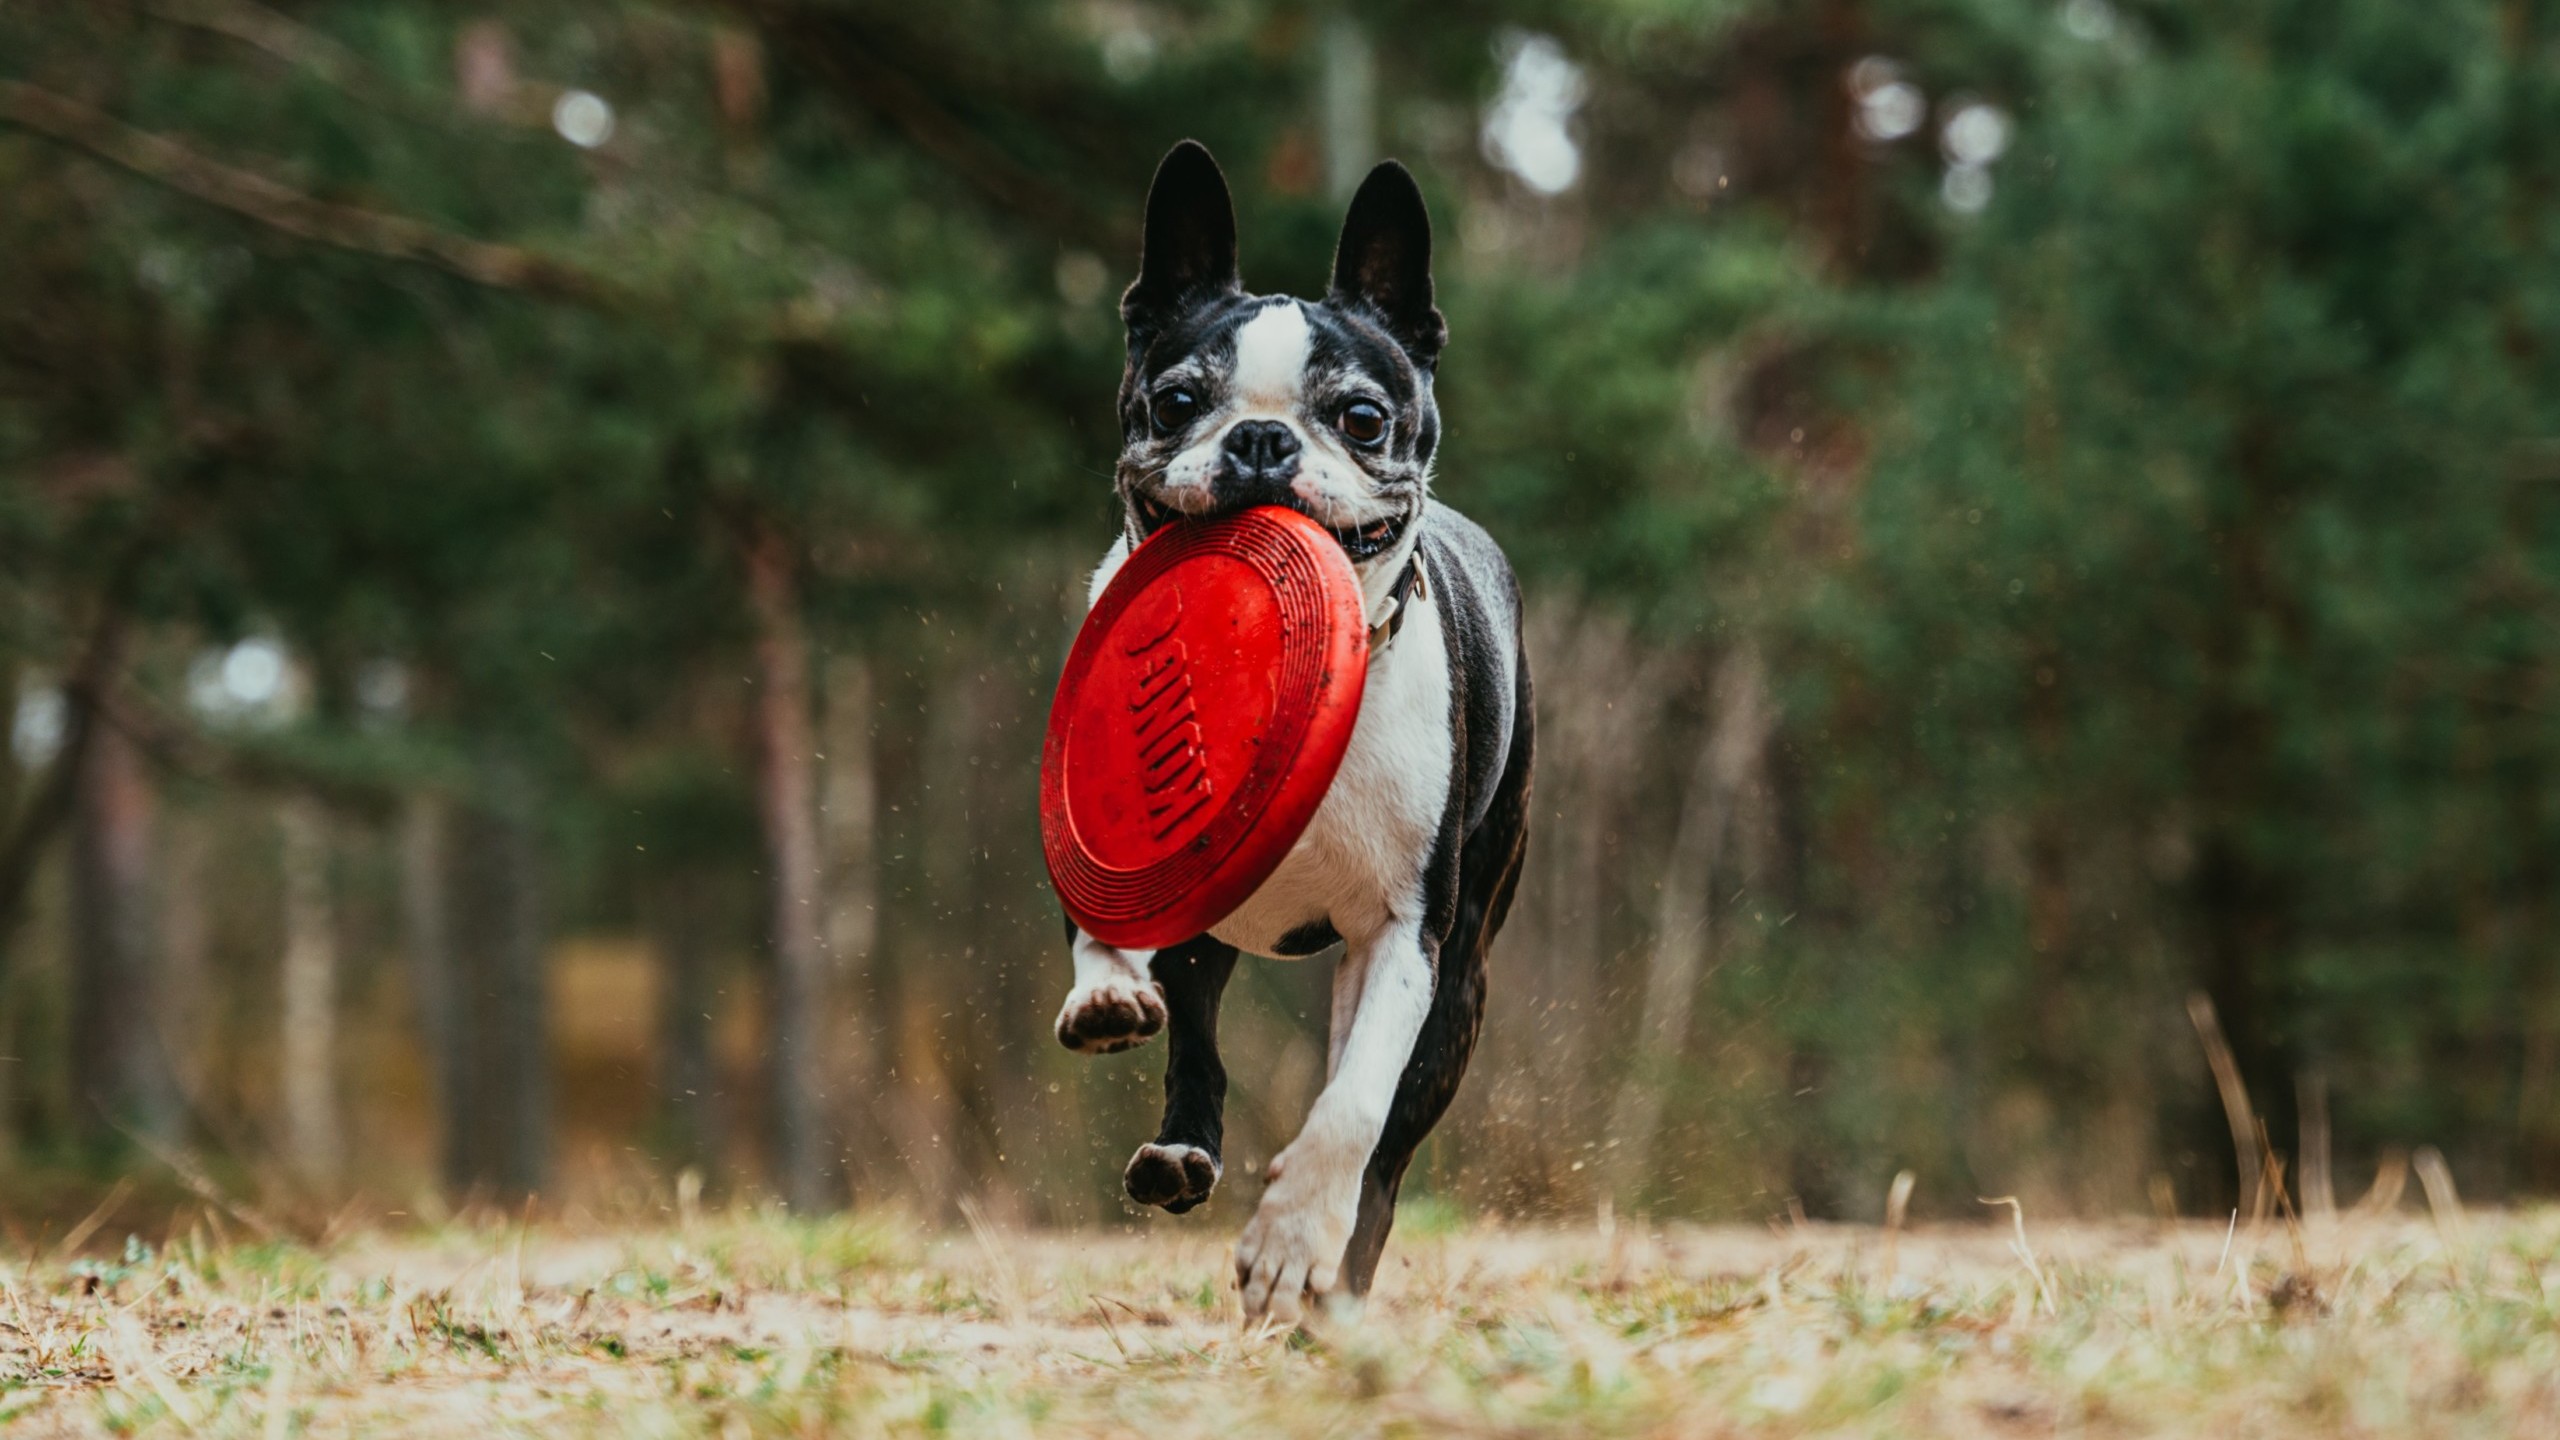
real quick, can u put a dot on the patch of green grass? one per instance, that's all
(1429, 1216)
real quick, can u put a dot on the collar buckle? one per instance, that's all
(1410, 586)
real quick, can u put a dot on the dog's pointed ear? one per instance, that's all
(1383, 261)
(1188, 251)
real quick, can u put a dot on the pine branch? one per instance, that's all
(288, 41)
(845, 52)
(166, 162)
(277, 34)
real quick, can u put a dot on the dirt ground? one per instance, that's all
(756, 1325)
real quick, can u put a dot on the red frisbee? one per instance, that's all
(1204, 710)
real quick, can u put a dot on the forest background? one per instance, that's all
(534, 541)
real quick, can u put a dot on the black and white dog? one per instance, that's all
(1232, 399)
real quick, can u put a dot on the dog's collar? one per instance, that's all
(1410, 586)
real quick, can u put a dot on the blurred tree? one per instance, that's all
(2061, 489)
(2200, 508)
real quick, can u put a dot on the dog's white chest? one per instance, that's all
(1362, 858)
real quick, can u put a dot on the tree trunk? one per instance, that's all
(470, 1142)
(187, 980)
(523, 1071)
(1842, 205)
(1350, 103)
(498, 1130)
(32, 822)
(786, 803)
(2061, 1064)
(426, 940)
(1734, 738)
(852, 835)
(2242, 902)
(307, 1053)
(925, 1103)
(677, 912)
(120, 1079)
(11, 760)
(1016, 987)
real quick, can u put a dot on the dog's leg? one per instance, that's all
(1488, 874)
(1294, 1245)
(1115, 1004)
(1182, 1165)
(1440, 1056)
(1349, 974)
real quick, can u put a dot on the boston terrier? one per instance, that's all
(1232, 399)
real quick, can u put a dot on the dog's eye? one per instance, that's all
(1173, 408)
(1363, 423)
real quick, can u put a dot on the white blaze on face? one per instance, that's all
(1270, 372)
(1271, 360)
(1269, 381)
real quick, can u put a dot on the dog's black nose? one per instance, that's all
(1263, 448)
(1261, 459)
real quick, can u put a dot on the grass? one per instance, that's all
(754, 1325)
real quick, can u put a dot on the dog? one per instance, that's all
(1229, 400)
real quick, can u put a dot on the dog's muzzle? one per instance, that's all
(1258, 463)
(1365, 542)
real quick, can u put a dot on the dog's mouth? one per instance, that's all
(1371, 540)
(1365, 542)
(1154, 514)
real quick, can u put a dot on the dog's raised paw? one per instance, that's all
(1110, 1016)
(1175, 1177)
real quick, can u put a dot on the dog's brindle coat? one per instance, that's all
(1229, 400)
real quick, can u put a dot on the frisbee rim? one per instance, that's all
(1318, 688)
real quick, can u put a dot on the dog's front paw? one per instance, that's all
(1111, 1015)
(1177, 1177)
(1291, 1253)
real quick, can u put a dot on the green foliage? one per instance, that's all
(2154, 571)
(2205, 518)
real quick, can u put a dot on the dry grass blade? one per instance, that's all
(1494, 1332)
(1103, 1317)
(1008, 1283)
(689, 1198)
(2390, 1178)
(2026, 1253)
(192, 1175)
(2271, 1189)
(2319, 1190)
(79, 1234)
(131, 1351)
(1897, 1202)
(2236, 1108)
(2446, 1205)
